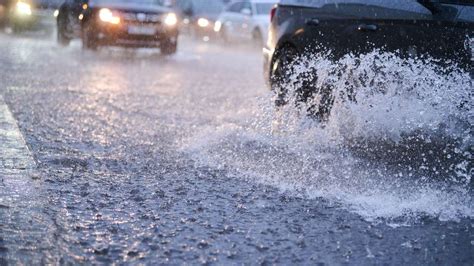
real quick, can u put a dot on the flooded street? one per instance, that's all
(127, 156)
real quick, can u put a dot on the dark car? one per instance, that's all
(137, 23)
(440, 29)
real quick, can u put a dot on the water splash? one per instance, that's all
(396, 145)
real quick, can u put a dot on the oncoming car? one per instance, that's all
(245, 21)
(28, 14)
(438, 29)
(137, 23)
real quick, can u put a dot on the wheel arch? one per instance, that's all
(284, 43)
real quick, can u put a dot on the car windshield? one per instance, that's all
(207, 7)
(263, 8)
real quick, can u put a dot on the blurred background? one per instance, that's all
(205, 20)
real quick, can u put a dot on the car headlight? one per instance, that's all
(23, 8)
(202, 22)
(171, 19)
(106, 15)
(217, 26)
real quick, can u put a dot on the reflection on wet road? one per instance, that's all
(143, 159)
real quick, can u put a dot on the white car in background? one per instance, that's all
(245, 20)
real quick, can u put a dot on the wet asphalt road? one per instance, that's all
(112, 183)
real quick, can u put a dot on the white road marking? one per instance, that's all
(14, 153)
(25, 227)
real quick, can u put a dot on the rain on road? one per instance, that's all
(141, 158)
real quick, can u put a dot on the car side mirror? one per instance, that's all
(246, 11)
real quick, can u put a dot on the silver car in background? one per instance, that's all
(245, 21)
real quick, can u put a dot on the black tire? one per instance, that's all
(280, 72)
(17, 28)
(169, 47)
(62, 38)
(61, 35)
(282, 69)
(89, 41)
(257, 38)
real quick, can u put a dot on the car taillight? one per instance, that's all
(272, 12)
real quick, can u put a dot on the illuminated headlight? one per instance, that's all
(56, 13)
(23, 8)
(202, 22)
(217, 26)
(106, 15)
(171, 19)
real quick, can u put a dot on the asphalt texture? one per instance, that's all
(112, 183)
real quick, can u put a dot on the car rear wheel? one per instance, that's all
(280, 72)
(306, 92)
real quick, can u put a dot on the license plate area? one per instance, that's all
(141, 30)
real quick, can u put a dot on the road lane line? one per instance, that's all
(14, 153)
(24, 225)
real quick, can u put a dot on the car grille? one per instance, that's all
(141, 17)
